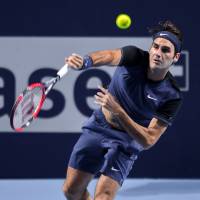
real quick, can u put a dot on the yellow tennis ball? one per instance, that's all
(123, 21)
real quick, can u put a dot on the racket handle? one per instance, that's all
(63, 71)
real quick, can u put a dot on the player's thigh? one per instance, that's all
(76, 180)
(106, 188)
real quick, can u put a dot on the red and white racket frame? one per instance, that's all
(20, 98)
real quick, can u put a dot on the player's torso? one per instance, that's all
(139, 96)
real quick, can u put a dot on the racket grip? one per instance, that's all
(63, 71)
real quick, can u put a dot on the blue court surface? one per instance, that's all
(140, 189)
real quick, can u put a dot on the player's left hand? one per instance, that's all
(106, 100)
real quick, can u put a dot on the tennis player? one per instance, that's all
(141, 101)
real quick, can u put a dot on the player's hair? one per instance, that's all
(167, 25)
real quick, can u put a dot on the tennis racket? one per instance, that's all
(29, 103)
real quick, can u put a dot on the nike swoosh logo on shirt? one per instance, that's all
(150, 97)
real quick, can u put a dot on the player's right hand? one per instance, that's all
(74, 61)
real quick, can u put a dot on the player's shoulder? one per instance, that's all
(132, 55)
(173, 82)
(174, 85)
(133, 50)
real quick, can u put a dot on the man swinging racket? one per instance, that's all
(141, 101)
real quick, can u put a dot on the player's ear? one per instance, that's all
(176, 57)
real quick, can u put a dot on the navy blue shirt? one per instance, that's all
(141, 97)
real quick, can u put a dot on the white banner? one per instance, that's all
(22, 58)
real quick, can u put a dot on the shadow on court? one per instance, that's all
(161, 187)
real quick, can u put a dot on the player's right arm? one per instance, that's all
(126, 56)
(106, 57)
(98, 58)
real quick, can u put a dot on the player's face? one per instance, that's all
(162, 54)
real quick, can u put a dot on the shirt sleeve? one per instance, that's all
(168, 111)
(132, 55)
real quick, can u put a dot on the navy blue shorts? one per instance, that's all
(94, 153)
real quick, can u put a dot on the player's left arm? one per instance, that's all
(146, 136)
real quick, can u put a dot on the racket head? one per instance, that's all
(27, 106)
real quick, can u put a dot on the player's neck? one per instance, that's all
(156, 75)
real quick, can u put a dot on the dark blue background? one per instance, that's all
(176, 155)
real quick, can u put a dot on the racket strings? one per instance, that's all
(27, 107)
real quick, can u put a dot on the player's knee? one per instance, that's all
(70, 192)
(106, 195)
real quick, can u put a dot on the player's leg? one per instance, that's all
(75, 185)
(106, 188)
(116, 168)
(85, 161)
